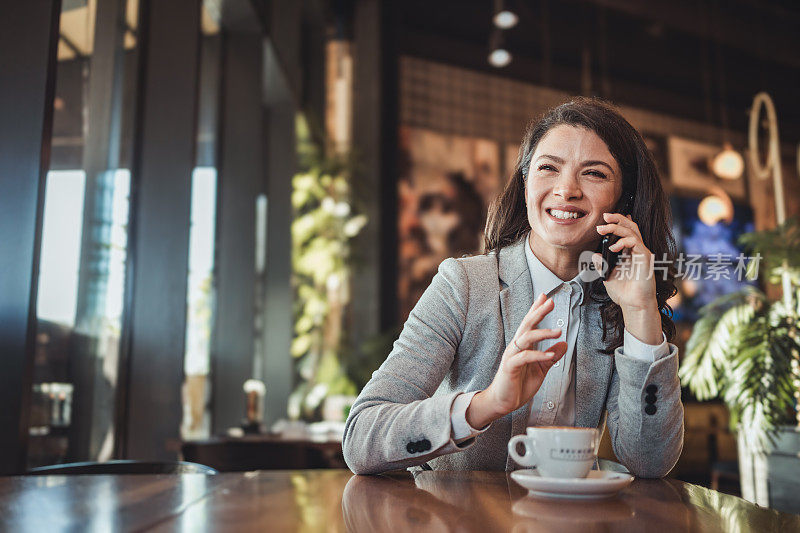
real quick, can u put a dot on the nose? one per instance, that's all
(567, 187)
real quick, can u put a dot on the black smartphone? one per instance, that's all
(610, 258)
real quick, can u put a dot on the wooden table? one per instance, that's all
(335, 500)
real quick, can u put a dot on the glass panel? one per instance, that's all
(200, 292)
(199, 304)
(84, 239)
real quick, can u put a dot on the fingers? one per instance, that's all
(529, 339)
(535, 314)
(626, 229)
(539, 300)
(627, 242)
(616, 229)
(624, 221)
(544, 360)
(527, 357)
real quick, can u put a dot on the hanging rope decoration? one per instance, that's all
(764, 171)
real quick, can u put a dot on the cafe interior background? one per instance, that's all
(216, 215)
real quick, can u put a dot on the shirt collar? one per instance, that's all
(543, 279)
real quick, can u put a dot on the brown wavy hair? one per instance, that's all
(507, 220)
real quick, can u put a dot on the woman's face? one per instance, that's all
(571, 170)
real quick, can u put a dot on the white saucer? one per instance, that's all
(597, 484)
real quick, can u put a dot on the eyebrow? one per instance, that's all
(584, 164)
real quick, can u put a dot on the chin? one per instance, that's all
(566, 242)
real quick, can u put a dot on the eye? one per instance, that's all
(547, 167)
(596, 173)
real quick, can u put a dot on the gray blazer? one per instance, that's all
(452, 342)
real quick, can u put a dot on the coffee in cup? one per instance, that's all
(557, 451)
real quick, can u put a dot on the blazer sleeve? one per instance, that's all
(396, 421)
(645, 413)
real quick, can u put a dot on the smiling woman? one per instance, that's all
(584, 157)
(567, 194)
(521, 336)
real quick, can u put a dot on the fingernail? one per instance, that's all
(549, 354)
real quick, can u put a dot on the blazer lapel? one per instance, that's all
(516, 296)
(516, 299)
(593, 368)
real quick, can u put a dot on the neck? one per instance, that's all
(561, 261)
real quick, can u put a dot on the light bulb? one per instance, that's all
(728, 164)
(713, 209)
(505, 19)
(500, 57)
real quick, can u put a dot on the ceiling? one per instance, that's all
(679, 57)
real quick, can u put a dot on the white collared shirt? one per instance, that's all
(554, 402)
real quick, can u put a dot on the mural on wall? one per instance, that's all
(445, 186)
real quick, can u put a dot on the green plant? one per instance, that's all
(325, 222)
(745, 348)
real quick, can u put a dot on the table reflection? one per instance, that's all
(378, 503)
(472, 501)
(336, 501)
(566, 516)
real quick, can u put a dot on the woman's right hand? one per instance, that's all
(522, 368)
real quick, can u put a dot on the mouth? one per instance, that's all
(564, 216)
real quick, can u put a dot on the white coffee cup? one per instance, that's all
(563, 452)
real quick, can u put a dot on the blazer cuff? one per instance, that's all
(636, 349)
(458, 418)
(635, 372)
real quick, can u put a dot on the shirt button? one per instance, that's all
(550, 405)
(567, 289)
(560, 322)
(557, 363)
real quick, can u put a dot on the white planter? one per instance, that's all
(772, 479)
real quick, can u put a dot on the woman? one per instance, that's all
(522, 336)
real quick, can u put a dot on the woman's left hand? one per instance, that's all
(632, 283)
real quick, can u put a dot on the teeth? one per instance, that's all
(564, 214)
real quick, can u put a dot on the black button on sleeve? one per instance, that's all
(650, 398)
(650, 409)
(651, 389)
(418, 446)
